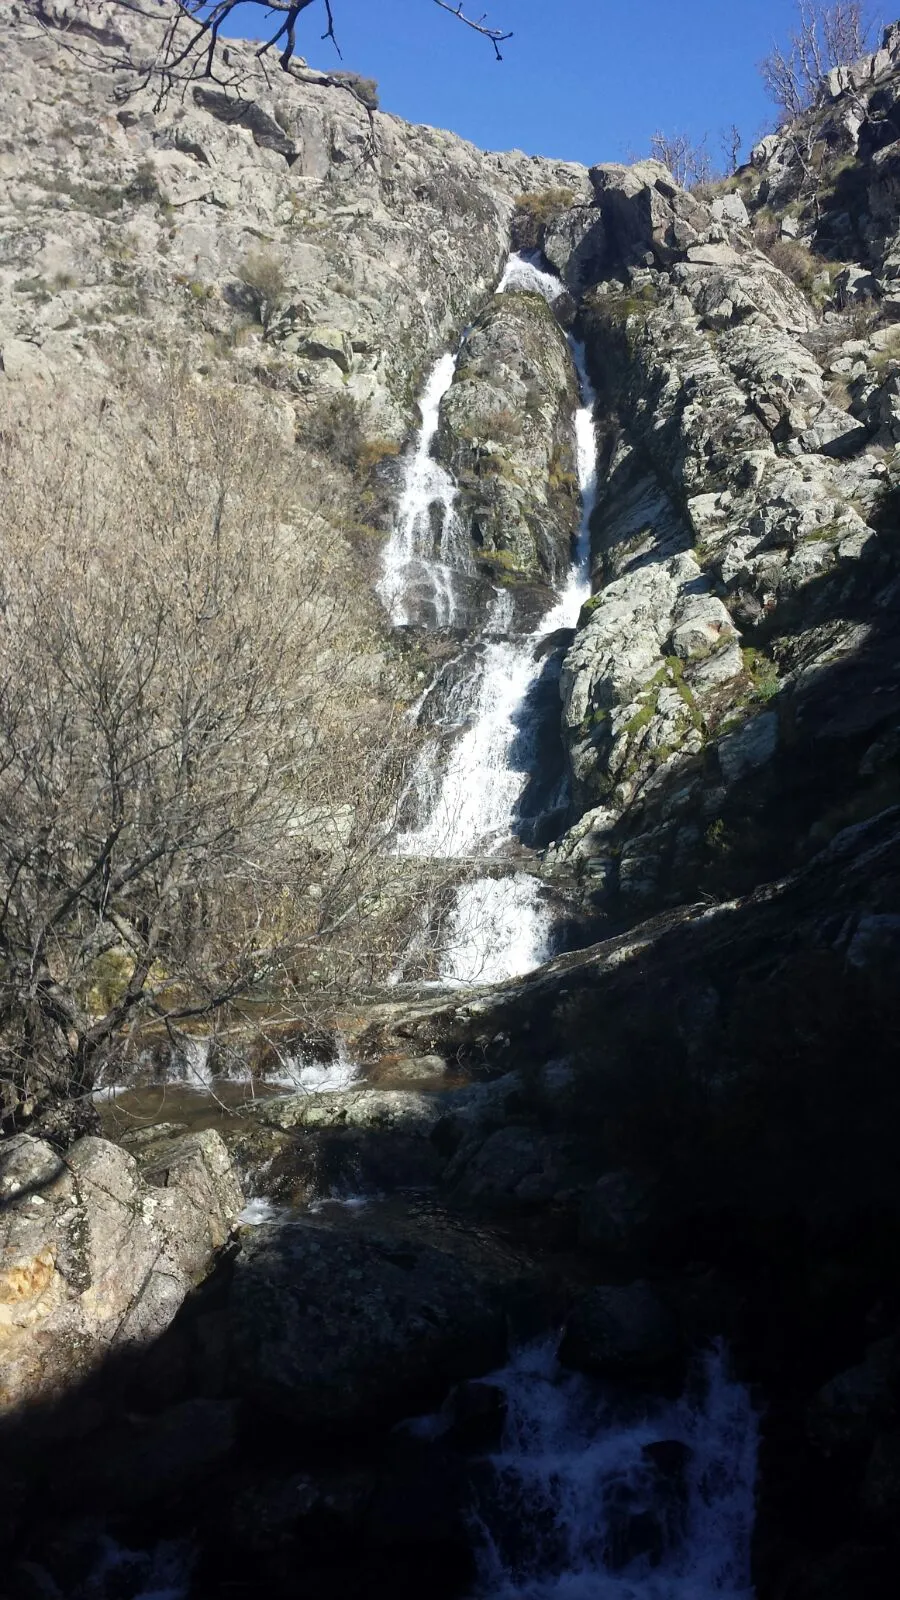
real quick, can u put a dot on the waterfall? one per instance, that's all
(496, 930)
(499, 926)
(593, 1498)
(427, 543)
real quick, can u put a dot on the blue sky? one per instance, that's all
(584, 80)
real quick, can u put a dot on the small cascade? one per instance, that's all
(524, 272)
(496, 930)
(593, 1498)
(428, 544)
(469, 795)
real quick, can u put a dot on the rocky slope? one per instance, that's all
(744, 526)
(279, 231)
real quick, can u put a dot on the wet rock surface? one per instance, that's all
(506, 433)
(616, 1332)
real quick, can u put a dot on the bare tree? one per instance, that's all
(826, 36)
(195, 775)
(195, 27)
(731, 141)
(688, 161)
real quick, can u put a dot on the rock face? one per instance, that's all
(744, 524)
(621, 1331)
(271, 222)
(506, 434)
(95, 1259)
(335, 1331)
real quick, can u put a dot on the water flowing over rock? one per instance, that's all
(427, 546)
(478, 801)
(628, 500)
(660, 1503)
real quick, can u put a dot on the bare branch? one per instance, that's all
(826, 36)
(479, 24)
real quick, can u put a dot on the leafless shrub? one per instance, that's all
(199, 761)
(688, 161)
(730, 142)
(262, 275)
(826, 36)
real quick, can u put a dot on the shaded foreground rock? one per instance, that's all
(93, 1258)
(622, 1332)
(336, 1331)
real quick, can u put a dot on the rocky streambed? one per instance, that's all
(220, 1330)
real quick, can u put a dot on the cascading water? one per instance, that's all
(593, 1498)
(499, 927)
(427, 544)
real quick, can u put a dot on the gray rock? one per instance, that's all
(853, 1407)
(506, 433)
(855, 284)
(94, 1259)
(366, 1109)
(514, 1166)
(385, 237)
(146, 1460)
(622, 1332)
(749, 748)
(730, 208)
(880, 1494)
(334, 1331)
(616, 1215)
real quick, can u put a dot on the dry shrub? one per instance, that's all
(262, 276)
(199, 751)
(535, 212)
(794, 260)
(503, 425)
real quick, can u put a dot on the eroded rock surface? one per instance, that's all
(94, 1258)
(273, 224)
(506, 433)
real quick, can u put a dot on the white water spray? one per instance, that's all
(575, 1510)
(427, 544)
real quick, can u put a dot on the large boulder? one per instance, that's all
(646, 212)
(380, 1110)
(93, 1258)
(506, 433)
(335, 1330)
(622, 1332)
(855, 1405)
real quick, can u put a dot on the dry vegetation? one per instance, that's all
(534, 213)
(201, 750)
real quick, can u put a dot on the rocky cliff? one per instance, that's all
(745, 526)
(279, 232)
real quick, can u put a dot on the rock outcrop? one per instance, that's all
(273, 225)
(95, 1259)
(336, 1331)
(744, 523)
(506, 434)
